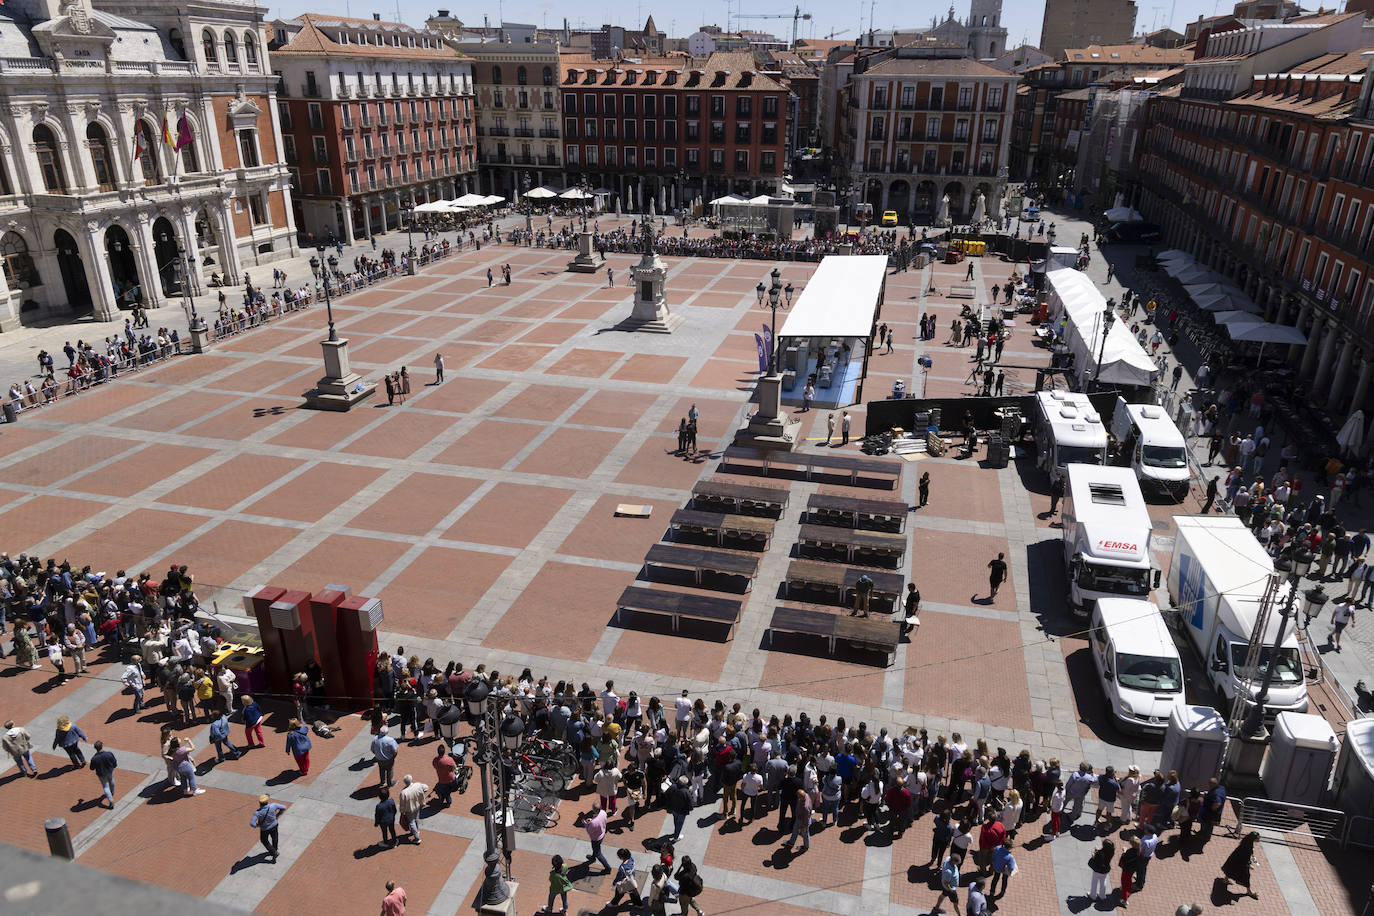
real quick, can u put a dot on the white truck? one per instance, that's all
(1107, 533)
(1149, 443)
(1217, 580)
(1067, 431)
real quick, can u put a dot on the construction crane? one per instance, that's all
(835, 34)
(796, 16)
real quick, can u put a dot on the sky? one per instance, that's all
(679, 19)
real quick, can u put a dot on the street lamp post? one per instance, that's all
(495, 891)
(768, 427)
(1108, 318)
(772, 291)
(1294, 567)
(408, 211)
(319, 265)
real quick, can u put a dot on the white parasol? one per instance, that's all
(979, 210)
(1351, 436)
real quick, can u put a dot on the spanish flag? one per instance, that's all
(167, 133)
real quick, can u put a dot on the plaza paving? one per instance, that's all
(481, 512)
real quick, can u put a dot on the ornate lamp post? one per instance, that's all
(340, 388)
(768, 428)
(1108, 318)
(1293, 567)
(495, 892)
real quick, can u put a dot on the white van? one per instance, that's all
(1149, 443)
(1107, 535)
(1067, 431)
(1137, 663)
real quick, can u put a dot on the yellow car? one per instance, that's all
(889, 217)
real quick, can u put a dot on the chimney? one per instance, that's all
(376, 17)
(443, 14)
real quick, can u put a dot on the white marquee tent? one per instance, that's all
(1077, 299)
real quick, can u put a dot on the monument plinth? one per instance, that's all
(587, 261)
(650, 276)
(768, 427)
(341, 388)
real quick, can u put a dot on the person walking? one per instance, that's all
(394, 903)
(384, 751)
(384, 816)
(445, 774)
(1149, 841)
(19, 745)
(808, 394)
(923, 491)
(219, 737)
(801, 821)
(829, 427)
(677, 801)
(844, 427)
(438, 368)
(689, 886)
(411, 804)
(1057, 799)
(625, 882)
(1342, 616)
(252, 722)
(1213, 807)
(135, 681)
(1003, 867)
(997, 574)
(103, 764)
(1056, 494)
(1129, 863)
(1236, 868)
(298, 745)
(266, 818)
(949, 883)
(69, 737)
(607, 782)
(1100, 864)
(594, 822)
(610, 277)
(559, 884)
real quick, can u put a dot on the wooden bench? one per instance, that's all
(752, 532)
(867, 548)
(699, 560)
(886, 473)
(837, 581)
(677, 606)
(742, 499)
(856, 512)
(867, 633)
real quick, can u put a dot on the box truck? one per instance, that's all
(1217, 581)
(1149, 443)
(1107, 533)
(1067, 431)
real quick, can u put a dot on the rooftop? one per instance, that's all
(312, 38)
(1128, 55)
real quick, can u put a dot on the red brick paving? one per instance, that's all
(663, 653)
(822, 678)
(515, 357)
(541, 402)
(44, 516)
(324, 429)
(186, 844)
(490, 444)
(416, 504)
(655, 465)
(550, 332)
(725, 374)
(141, 470)
(951, 567)
(272, 762)
(64, 460)
(238, 423)
(585, 363)
(439, 587)
(571, 453)
(614, 409)
(401, 435)
(495, 331)
(962, 491)
(356, 560)
(98, 403)
(361, 883)
(232, 482)
(657, 370)
(756, 849)
(602, 535)
(132, 537)
(57, 792)
(229, 550)
(456, 395)
(26, 693)
(582, 598)
(952, 657)
(509, 515)
(310, 497)
(258, 374)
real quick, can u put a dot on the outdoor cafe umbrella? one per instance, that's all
(979, 210)
(470, 200)
(942, 214)
(1351, 436)
(1265, 333)
(1225, 301)
(574, 194)
(541, 193)
(1236, 318)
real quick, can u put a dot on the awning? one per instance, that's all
(493, 199)
(574, 194)
(730, 199)
(1124, 215)
(541, 193)
(1236, 319)
(1264, 332)
(470, 200)
(840, 300)
(1223, 300)
(1191, 274)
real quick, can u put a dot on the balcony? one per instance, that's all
(523, 160)
(877, 135)
(383, 120)
(350, 155)
(548, 160)
(344, 93)
(310, 90)
(524, 132)
(498, 131)
(717, 166)
(548, 133)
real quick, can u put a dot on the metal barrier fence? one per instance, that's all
(1293, 821)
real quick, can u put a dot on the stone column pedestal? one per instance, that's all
(502, 909)
(650, 311)
(341, 388)
(768, 428)
(200, 336)
(587, 260)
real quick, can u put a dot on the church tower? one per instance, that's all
(987, 36)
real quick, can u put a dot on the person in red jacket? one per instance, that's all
(898, 798)
(989, 838)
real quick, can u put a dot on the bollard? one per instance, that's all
(59, 838)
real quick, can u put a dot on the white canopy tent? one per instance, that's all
(1078, 300)
(492, 200)
(575, 194)
(1124, 215)
(434, 206)
(729, 199)
(840, 299)
(541, 193)
(470, 200)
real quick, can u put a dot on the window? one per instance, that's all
(879, 97)
(670, 160)
(325, 183)
(322, 150)
(101, 164)
(548, 77)
(908, 97)
(932, 128)
(148, 160)
(744, 106)
(717, 132)
(591, 129)
(572, 155)
(717, 158)
(629, 130)
(257, 210)
(995, 98)
(742, 160)
(650, 102)
(629, 157)
(670, 107)
(592, 155)
(670, 131)
(961, 129)
(207, 43)
(693, 132)
(608, 103)
(316, 116)
(693, 158)
(250, 50)
(284, 115)
(741, 131)
(288, 148)
(496, 76)
(231, 52)
(570, 104)
(770, 106)
(610, 129)
(570, 128)
(610, 155)
(248, 148)
(990, 129)
(520, 75)
(650, 130)
(717, 106)
(693, 105)
(178, 43)
(769, 163)
(18, 264)
(589, 104)
(498, 99)
(650, 157)
(629, 106)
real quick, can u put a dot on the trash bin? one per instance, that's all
(11, 415)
